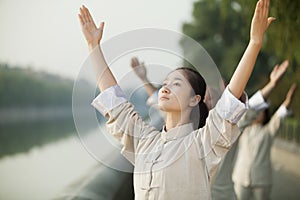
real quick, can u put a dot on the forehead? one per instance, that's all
(176, 75)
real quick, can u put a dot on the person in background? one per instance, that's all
(223, 187)
(252, 174)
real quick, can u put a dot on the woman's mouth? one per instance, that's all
(164, 98)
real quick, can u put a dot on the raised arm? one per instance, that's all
(141, 71)
(93, 36)
(259, 25)
(275, 76)
(289, 96)
(281, 113)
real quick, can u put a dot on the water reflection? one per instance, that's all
(16, 137)
(39, 159)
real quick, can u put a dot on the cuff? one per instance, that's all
(257, 102)
(230, 108)
(153, 99)
(282, 112)
(109, 99)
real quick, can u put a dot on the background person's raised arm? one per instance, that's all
(275, 76)
(141, 71)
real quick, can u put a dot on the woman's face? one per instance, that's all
(175, 94)
(260, 117)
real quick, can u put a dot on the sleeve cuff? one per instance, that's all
(257, 102)
(230, 108)
(109, 99)
(153, 99)
(282, 112)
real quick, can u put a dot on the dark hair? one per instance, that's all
(266, 116)
(199, 86)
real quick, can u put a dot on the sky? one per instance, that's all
(46, 34)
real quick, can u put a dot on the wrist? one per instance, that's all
(255, 43)
(145, 80)
(272, 84)
(93, 45)
(286, 103)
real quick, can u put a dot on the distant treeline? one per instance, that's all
(24, 87)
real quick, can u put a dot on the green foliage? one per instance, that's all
(222, 27)
(25, 88)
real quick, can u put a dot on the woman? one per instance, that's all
(252, 174)
(179, 162)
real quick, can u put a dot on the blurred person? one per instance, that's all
(252, 174)
(223, 187)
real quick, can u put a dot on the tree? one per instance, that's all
(222, 28)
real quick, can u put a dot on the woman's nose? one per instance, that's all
(165, 90)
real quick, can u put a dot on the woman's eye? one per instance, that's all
(177, 84)
(164, 84)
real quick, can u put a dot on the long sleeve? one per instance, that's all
(153, 99)
(123, 123)
(221, 131)
(276, 120)
(256, 103)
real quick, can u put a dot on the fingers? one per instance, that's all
(265, 9)
(284, 65)
(293, 88)
(291, 92)
(85, 15)
(101, 26)
(81, 20)
(258, 9)
(270, 20)
(134, 62)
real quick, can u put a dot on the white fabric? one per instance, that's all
(222, 188)
(230, 108)
(253, 164)
(257, 101)
(153, 99)
(109, 99)
(192, 156)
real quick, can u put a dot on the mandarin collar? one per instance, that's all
(177, 132)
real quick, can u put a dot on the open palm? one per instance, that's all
(260, 21)
(278, 71)
(91, 33)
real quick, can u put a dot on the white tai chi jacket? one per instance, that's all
(179, 163)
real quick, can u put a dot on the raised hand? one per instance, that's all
(90, 31)
(278, 71)
(275, 75)
(139, 68)
(290, 95)
(260, 21)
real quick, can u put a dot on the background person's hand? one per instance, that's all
(290, 95)
(278, 71)
(139, 68)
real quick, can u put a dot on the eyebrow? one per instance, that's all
(179, 79)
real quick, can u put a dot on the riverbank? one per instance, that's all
(8, 115)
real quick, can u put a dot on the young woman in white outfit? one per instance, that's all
(180, 161)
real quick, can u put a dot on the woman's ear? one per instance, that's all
(195, 100)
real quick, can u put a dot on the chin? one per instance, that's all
(162, 107)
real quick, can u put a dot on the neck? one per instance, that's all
(174, 119)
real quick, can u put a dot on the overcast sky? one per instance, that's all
(45, 34)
